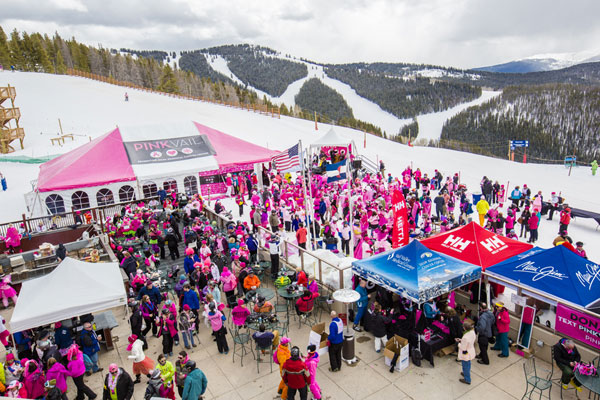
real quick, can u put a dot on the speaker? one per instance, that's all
(357, 164)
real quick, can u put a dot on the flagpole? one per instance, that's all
(311, 209)
(351, 215)
(302, 165)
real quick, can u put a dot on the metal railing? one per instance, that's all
(67, 219)
(369, 164)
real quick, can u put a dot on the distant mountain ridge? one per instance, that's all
(542, 62)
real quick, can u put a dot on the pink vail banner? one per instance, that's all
(577, 325)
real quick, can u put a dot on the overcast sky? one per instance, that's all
(460, 33)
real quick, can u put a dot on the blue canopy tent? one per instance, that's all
(558, 272)
(525, 254)
(416, 272)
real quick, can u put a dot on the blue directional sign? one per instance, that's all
(519, 143)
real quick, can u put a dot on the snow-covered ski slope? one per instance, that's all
(430, 125)
(91, 108)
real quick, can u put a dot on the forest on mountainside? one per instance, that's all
(41, 53)
(315, 96)
(405, 98)
(195, 61)
(558, 120)
(256, 66)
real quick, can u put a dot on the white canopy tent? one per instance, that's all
(331, 138)
(74, 288)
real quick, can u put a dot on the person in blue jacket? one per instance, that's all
(190, 297)
(336, 339)
(195, 382)
(152, 292)
(252, 248)
(362, 304)
(430, 311)
(90, 345)
(188, 261)
(515, 195)
(62, 336)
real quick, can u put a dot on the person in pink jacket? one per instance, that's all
(34, 379)
(466, 350)
(216, 319)
(168, 330)
(533, 223)
(229, 282)
(312, 362)
(58, 372)
(76, 368)
(239, 314)
(503, 325)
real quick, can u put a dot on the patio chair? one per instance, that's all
(241, 340)
(536, 382)
(283, 327)
(308, 318)
(322, 301)
(268, 352)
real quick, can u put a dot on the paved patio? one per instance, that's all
(368, 379)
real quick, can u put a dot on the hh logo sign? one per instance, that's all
(456, 243)
(494, 244)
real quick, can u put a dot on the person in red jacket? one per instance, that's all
(503, 325)
(306, 302)
(301, 278)
(295, 375)
(565, 219)
(301, 234)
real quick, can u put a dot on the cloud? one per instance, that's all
(463, 33)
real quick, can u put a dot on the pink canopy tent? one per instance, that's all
(105, 160)
(232, 151)
(99, 162)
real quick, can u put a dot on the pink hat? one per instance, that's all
(197, 264)
(113, 367)
(285, 340)
(11, 356)
(186, 307)
(189, 251)
(240, 302)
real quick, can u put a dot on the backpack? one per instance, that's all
(416, 356)
(585, 369)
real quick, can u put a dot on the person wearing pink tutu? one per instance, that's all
(141, 363)
(7, 290)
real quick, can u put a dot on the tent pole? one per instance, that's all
(307, 219)
(12, 335)
(309, 200)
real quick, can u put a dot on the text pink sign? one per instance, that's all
(577, 325)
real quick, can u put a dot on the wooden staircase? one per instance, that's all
(9, 116)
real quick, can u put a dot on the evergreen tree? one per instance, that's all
(61, 68)
(16, 52)
(40, 56)
(168, 82)
(4, 50)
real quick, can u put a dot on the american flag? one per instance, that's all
(287, 159)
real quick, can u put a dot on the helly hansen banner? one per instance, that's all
(400, 233)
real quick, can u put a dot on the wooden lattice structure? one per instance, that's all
(9, 116)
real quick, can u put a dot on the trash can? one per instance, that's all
(348, 347)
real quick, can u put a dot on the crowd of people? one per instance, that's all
(217, 272)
